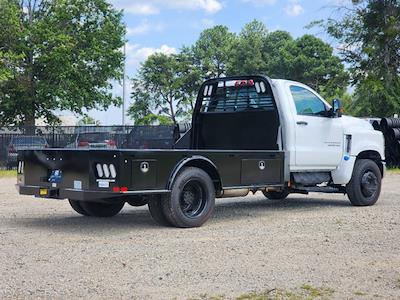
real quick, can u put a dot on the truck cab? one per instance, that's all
(319, 139)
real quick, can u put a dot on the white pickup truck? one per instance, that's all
(249, 134)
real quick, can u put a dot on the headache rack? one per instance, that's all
(236, 95)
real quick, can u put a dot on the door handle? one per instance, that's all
(302, 123)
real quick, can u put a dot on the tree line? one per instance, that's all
(166, 86)
(63, 55)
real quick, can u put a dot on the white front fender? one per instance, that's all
(369, 142)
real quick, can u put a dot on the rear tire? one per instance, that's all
(102, 210)
(282, 195)
(156, 210)
(192, 199)
(76, 206)
(364, 187)
(137, 201)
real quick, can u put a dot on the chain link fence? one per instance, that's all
(13, 139)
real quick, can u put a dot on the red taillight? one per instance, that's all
(83, 144)
(241, 83)
(122, 189)
(11, 149)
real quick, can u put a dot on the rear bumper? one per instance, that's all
(82, 195)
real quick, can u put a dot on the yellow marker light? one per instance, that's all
(43, 192)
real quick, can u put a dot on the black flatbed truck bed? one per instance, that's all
(251, 170)
(234, 147)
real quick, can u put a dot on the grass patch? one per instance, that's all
(394, 170)
(359, 294)
(8, 173)
(305, 292)
(317, 292)
(339, 222)
(397, 283)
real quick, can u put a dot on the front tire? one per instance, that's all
(76, 206)
(364, 187)
(102, 210)
(192, 199)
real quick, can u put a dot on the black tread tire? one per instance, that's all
(157, 212)
(353, 188)
(171, 203)
(76, 206)
(102, 210)
(137, 201)
(282, 195)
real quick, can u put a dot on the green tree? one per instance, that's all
(307, 59)
(368, 36)
(160, 92)
(247, 55)
(276, 57)
(141, 110)
(212, 50)
(311, 61)
(57, 55)
(88, 120)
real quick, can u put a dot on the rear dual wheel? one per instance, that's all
(190, 203)
(95, 209)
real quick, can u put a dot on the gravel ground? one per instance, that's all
(318, 244)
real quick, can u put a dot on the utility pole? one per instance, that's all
(124, 88)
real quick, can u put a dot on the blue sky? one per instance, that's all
(167, 25)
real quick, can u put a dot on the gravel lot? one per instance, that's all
(316, 245)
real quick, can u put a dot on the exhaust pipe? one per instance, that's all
(233, 193)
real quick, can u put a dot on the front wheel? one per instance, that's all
(102, 210)
(192, 199)
(364, 187)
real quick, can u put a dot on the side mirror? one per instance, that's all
(337, 108)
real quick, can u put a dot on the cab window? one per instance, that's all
(307, 103)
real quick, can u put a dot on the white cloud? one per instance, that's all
(293, 8)
(151, 7)
(209, 6)
(144, 27)
(136, 54)
(141, 8)
(260, 2)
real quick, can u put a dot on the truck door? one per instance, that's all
(319, 138)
